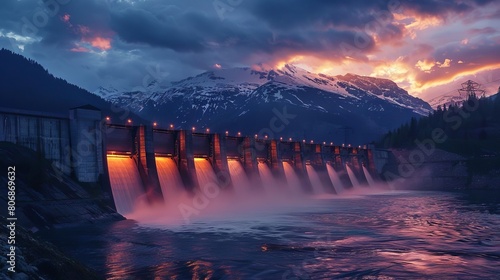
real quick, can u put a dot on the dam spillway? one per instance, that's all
(153, 164)
(334, 177)
(193, 162)
(293, 181)
(352, 177)
(126, 183)
(205, 173)
(317, 185)
(268, 181)
(169, 177)
(239, 177)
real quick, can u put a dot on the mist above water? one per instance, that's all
(212, 202)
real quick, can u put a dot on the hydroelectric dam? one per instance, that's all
(151, 163)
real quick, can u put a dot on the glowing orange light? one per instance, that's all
(100, 43)
(129, 121)
(193, 128)
(227, 133)
(155, 124)
(108, 118)
(171, 126)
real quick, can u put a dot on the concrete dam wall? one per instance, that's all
(149, 164)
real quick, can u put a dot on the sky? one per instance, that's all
(428, 47)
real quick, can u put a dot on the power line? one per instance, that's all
(471, 89)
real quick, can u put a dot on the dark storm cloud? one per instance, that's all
(140, 26)
(186, 37)
(262, 26)
(194, 31)
(292, 14)
(443, 8)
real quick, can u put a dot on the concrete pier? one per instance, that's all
(185, 160)
(86, 141)
(218, 157)
(144, 152)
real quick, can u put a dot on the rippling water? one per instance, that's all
(387, 236)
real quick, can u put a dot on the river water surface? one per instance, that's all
(393, 235)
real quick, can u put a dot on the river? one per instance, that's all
(386, 235)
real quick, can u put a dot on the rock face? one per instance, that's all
(40, 260)
(46, 198)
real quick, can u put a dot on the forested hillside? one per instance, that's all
(471, 129)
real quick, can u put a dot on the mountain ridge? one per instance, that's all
(293, 76)
(243, 99)
(27, 85)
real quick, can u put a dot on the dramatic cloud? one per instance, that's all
(422, 45)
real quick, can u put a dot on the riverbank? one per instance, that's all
(39, 260)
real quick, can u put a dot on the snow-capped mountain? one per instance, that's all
(446, 100)
(246, 100)
(455, 99)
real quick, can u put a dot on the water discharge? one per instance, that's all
(170, 179)
(316, 184)
(369, 177)
(292, 178)
(334, 177)
(267, 177)
(352, 176)
(240, 180)
(205, 173)
(125, 182)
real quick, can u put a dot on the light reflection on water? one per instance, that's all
(403, 235)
